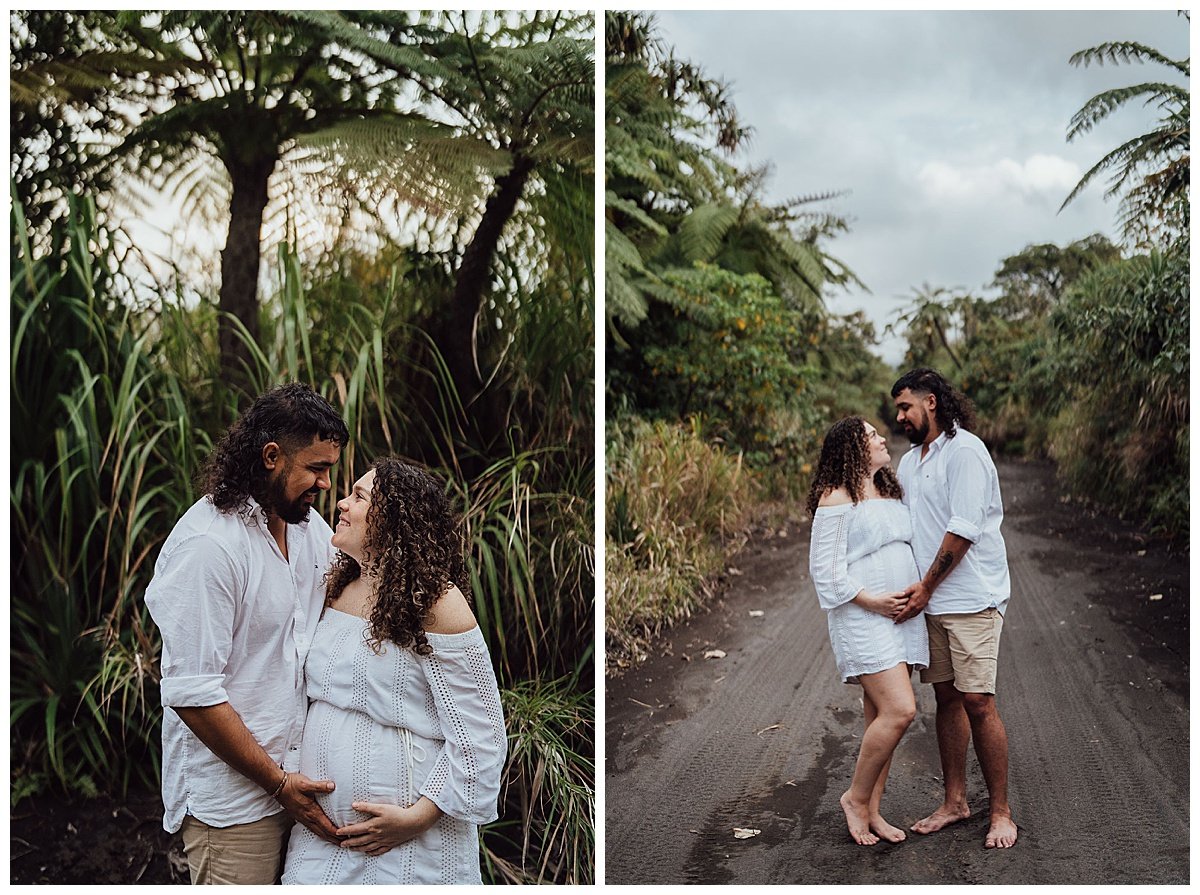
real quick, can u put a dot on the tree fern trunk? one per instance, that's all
(240, 261)
(457, 338)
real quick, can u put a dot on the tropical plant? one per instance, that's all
(110, 428)
(675, 506)
(672, 197)
(430, 110)
(1150, 171)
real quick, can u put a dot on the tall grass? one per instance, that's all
(675, 506)
(113, 411)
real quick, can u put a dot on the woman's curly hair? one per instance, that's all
(414, 549)
(845, 463)
(953, 409)
(291, 415)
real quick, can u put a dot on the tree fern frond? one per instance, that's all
(619, 250)
(811, 198)
(341, 27)
(631, 208)
(700, 232)
(805, 258)
(1104, 104)
(1117, 52)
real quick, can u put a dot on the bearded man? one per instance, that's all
(237, 592)
(953, 495)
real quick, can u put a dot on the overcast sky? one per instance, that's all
(947, 129)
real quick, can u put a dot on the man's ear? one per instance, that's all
(931, 402)
(271, 454)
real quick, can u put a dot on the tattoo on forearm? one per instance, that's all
(942, 565)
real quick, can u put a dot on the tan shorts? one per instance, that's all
(244, 854)
(963, 648)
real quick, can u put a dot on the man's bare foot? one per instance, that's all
(1002, 833)
(943, 817)
(885, 830)
(857, 821)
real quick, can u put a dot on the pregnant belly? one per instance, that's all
(890, 568)
(367, 761)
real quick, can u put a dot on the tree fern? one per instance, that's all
(1151, 168)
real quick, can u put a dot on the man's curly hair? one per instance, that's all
(414, 549)
(953, 409)
(845, 463)
(291, 415)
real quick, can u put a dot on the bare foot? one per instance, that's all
(856, 820)
(1002, 833)
(943, 817)
(885, 830)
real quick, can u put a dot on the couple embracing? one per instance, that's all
(326, 694)
(912, 572)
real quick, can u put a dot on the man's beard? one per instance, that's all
(293, 512)
(917, 435)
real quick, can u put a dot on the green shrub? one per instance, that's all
(675, 506)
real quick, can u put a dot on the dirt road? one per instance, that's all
(1093, 685)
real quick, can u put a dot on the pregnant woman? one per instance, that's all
(404, 711)
(860, 563)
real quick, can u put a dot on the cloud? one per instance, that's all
(1040, 176)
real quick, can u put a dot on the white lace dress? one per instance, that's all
(390, 728)
(857, 546)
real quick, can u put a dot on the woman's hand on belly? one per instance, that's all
(388, 825)
(889, 605)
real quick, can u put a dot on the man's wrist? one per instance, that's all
(279, 787)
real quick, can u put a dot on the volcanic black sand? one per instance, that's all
(1093, 689)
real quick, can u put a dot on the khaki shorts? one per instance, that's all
(243, 854)
(963, 648)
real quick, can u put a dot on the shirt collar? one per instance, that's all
(934, 446)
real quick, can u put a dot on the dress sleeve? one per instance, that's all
(827, 557)
(193, 600)
(465, 779)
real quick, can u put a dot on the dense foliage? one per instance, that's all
(119, 389)
(718, 333)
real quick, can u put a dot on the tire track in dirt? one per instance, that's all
(1098, 736)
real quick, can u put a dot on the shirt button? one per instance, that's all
(301, 641)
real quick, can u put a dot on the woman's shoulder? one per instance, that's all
(451, 614)
(836, 497)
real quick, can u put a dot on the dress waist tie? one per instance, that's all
(410, 762)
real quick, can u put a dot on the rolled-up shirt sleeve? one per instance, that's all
(827, 558)
(969, 484)
(193, 601)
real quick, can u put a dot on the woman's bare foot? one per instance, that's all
(885, 830)
(942, 817)
(857, 821)
(1002, 833)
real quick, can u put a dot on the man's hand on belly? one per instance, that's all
(221, 729)
(298, 798)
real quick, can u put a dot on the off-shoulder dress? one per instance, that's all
(390, 727)
(866, 545)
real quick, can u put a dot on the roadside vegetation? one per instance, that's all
(448, 318)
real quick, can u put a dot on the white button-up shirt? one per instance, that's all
(237, 620)
(954, 488)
